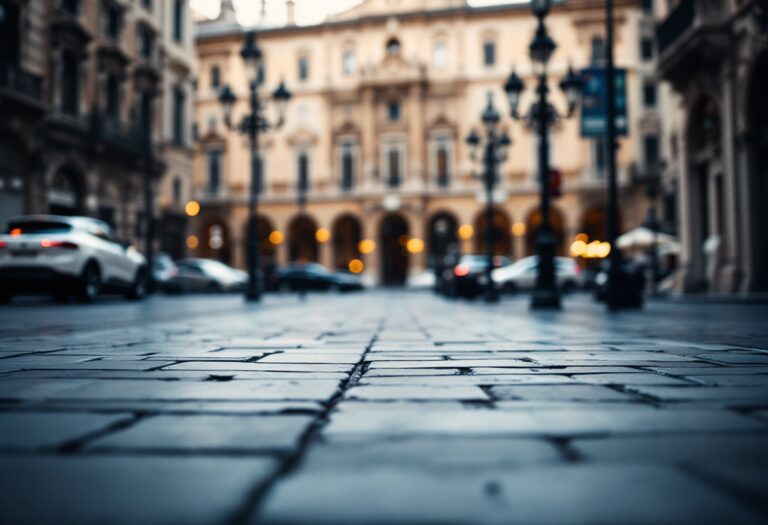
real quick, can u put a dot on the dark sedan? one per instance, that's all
(469, 277)
(313, 276)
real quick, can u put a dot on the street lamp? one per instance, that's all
(251, 125)
(541, 116)
(495, 152)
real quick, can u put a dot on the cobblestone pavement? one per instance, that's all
(382, 408)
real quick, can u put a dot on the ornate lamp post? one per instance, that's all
(541, 116)
(494, 153)
(253, 124)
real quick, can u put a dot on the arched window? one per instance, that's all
(443, 176)
(393, 47)
(348, 63)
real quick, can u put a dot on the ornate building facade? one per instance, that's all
(97, 95)
(383, 97)
(715, 55)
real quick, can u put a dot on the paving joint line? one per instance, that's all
(255, 500)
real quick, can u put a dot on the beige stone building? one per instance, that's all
(383, 97)
(714, 54)
(82, 82)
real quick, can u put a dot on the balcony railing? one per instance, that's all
(112, 132)
(21, 82)
(677, 23)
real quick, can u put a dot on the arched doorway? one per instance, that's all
(501, 231)
(394, 256)
(758, 111)
(302, 240)
(532, 224)
(705, 195)
(347, 234)
(215, 241)
(594, 223)
(442, 237)
(66, 193)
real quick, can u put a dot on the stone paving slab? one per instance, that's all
(127, 489)
(381, 408)
(541, 495)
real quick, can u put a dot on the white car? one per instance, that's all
(66, 255)
(522, 274)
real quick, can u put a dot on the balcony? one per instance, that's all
(23, 86)
(693, 38)
(112, 136)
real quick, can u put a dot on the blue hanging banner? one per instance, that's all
(594, 109)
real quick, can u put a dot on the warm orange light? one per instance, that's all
(15, 232)
(192, 242)
(583, 237)
(578, 248)
(192, 208)
(366, 246)
(466, 231)
(403, 240)
(518, 229)
(356, 266)
(46, 243)
(323, 235)
(276, 237)
(414, 245)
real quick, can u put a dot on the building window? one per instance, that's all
(647, 6)
(303, 68)
(646, 49)
(177, 190)
(598, 51)
(347, 167)
(303, 172)
(393, 47)
(10, 37)
(214, 171)
(489, 53)
(393, 111)
(440, 56)
(178, 20)
(71, 7)
(112, 21)
(112, 105)
(348, 63)
(70, 83)
(145, 112)
(441, 163)
(147, 4)
(215, 77)
(179, 105)
(651, 150)
(146, 42)
(393, 159)
(649, 94)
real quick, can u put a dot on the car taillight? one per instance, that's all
(3, 244)
(64, 245)
(577, 268)
(461, 270)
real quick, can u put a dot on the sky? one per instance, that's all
(307, 11)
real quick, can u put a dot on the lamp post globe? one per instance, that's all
(541, 8)
(227, 99)
(251, 55)
(513, 87)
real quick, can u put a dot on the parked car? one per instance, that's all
(313, 276)
(208, 275)
(166, 274)
(67, 255)
(522, 274)
(469, 275)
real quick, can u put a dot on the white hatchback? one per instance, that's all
(67, 255)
